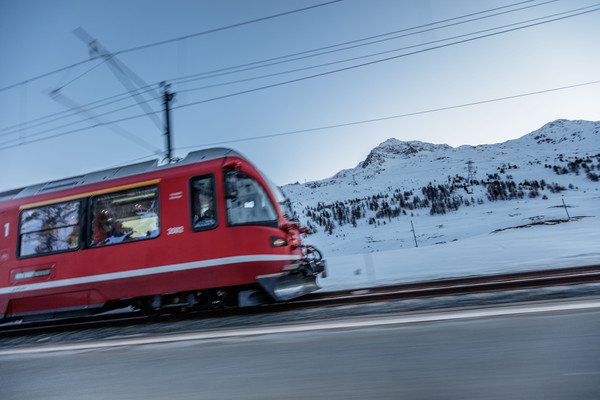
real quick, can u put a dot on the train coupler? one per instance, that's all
(296, 280)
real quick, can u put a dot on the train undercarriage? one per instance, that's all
(296, 280)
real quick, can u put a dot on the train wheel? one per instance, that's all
(150, 306)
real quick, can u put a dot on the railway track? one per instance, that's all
(416, 290)
(462, 285)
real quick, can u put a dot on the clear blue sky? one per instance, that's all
(330, 89)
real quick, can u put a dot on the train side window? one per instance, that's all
(203, 202)
(247, 201)
(124, 216)
(49, 229)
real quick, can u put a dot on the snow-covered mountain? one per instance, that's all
(394, 148)
(413, 193)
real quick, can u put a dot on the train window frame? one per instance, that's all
(196, 222)
(285, 204)
(80, 223)
(126, 238)
(229, 196)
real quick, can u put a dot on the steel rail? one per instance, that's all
(460, 286)
(414, 290)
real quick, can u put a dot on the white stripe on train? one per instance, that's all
(148, 271)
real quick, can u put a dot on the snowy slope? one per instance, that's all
(410, 165)
(461, 200)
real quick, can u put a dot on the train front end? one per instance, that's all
(299, 276)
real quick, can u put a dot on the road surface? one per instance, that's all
(530, 355)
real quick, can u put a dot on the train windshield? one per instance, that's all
(284, 202)
(247, 202)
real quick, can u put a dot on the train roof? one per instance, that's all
(116, 172)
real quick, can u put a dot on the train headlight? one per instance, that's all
(278, 242)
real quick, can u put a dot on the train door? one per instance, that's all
(5, 251)
(4, 237)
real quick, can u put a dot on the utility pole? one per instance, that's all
(167, 98)
(567, 211)
(134, 84)
(414, 234)
(470, 176)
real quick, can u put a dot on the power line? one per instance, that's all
(126, 76)
(77, 111)
(13, 129)
(237, 25)
(224, 28)
(372, 54)
(59, 97)
(429, 111)
(332, 48)
(236, 69)
(64, 85)
(309, 77)
(405, 115)
(381, 60)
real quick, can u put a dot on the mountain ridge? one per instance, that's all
(394, 147)
(553, 133)
(418, 179)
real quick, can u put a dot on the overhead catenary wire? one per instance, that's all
(361, 122)
(310, 76)
(142, 47)
(19, 127)
(256, 64)
(59, 97)
(382, 60)
(127, 77)
(163, 42)
(405, 115)
(372, 120)
(379, 53)
(354, 44)
(46, 119)
(64, 85)
(78, 111)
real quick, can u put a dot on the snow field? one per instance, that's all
(484, 237)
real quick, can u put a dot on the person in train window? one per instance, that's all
(108, 229)
(100, 228)
(204, 215)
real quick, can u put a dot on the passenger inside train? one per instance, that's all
(203, 196)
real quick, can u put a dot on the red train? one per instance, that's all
(209, 230)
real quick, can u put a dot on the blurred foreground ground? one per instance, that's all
(549, 355)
